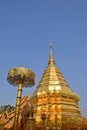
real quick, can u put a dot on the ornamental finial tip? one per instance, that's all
(50, 44)
(51, 59)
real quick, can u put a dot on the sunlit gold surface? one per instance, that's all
(21, 77)
(21, 74)
(55, 98)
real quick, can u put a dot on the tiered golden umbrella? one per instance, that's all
(21, 77)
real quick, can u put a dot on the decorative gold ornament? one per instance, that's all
(21, 77)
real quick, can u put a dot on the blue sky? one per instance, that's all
(27, 27)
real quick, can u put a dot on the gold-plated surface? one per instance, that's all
(21, 74)
(17, 111)
(21, 77)
(53, 81)
(56, 99)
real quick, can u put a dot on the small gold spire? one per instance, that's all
(51, 59)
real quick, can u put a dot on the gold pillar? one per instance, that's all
(17, 111)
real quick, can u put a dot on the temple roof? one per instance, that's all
(25, 102)
(53, 80)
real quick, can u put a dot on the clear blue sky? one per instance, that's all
(26, 28)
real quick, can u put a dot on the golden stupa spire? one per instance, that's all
(53, 79)
(51, 59)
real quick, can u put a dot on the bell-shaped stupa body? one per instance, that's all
(55, 99)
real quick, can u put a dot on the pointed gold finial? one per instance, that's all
(51, 59)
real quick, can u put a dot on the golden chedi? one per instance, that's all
(55, 100)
